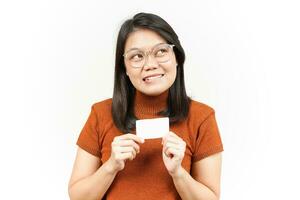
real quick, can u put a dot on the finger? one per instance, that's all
(167, 152)
(172, 140)
(169, 138)
(119, 150)
(171, 152)
(125, 156)
(130, 136)
(179, 147)
(133, 155)
(173, 145)
(174, 135)
(124, 143)
(170, 133)
(126, 149)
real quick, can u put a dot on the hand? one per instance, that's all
(123, 148)
(173, 152)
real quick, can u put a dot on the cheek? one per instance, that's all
(172, 72)
(173, 68)
(129, 72)
(133, 76)
(126, 69)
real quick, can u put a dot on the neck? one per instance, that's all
(146, 106)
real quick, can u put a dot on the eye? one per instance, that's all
(161, 52)
(136, 57)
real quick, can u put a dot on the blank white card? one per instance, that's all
(152, 128)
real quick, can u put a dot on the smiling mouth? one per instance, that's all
(148, 79)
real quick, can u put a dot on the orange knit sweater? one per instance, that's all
(146, 177)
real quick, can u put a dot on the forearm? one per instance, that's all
(190, 189)
(93, 187)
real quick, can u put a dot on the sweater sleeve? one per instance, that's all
(209, 140)
(88, 139)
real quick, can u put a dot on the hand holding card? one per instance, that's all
(152, 128)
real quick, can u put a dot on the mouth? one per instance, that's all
(152, 77)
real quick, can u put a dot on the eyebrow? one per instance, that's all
(135, 48)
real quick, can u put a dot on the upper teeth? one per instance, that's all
(152, 77)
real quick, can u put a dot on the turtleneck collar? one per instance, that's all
(146, 106)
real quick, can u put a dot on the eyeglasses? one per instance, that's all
(161, 53)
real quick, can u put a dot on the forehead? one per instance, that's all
(143, 39)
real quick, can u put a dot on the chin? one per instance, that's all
(153, 92)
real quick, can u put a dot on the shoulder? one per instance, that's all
(102, 104)
(102, 108)
(200, 110)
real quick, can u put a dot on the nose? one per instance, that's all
(150, 63)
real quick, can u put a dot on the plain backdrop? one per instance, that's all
(242, 59)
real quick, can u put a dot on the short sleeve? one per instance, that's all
(89, 138)
(209, 140)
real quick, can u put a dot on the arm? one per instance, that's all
(204, 181)
(88, 181)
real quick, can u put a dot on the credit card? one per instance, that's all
(152, 128)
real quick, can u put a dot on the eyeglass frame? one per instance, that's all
(147, 53)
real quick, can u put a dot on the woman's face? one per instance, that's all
(154, 77)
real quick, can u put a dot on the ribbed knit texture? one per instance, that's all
(146, 176)
(147, 106)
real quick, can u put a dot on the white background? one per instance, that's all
(242, 58)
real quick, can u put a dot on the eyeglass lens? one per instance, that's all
(161, 53)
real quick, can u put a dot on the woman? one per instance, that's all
(112, 162)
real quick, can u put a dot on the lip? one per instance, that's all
(152, 76)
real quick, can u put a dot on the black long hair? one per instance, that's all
(124, 91)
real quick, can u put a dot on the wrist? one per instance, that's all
(109, 167)
(178, 173)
